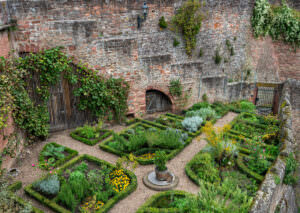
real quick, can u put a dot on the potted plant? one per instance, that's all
(161, 170)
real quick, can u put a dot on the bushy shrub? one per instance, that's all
(162, 23)
(66, 197)
(291, 166)
(136, 141)
(160, 160)
(247, 106)
(54, 151)
(258, 161)
(166, 139)
(199, 105)
(206, 113)
(49, 186)
(83, 167)
(86, 132)
(192, 123)
(206, 169)
(175, 88)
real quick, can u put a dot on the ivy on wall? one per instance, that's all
(280, 22)
(188, 21)
(96, 93)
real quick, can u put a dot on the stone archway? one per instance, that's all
(156, 101)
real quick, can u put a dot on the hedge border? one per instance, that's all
(145, 208)
(90, 142)
(72, 153)
(15, 187)
(108, 205)
(147, 124)
(244, 168)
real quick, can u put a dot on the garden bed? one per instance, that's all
(164, 202)
(54, 155)
(83, 184)
(90, 135)
(144, 138)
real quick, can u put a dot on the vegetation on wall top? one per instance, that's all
(280, 22)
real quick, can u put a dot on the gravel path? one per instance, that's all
(132, 202)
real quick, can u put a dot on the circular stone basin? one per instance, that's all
(14, 172)
(150, 181)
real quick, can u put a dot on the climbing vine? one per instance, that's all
(188, 21)
(45, 69)
(280, 22)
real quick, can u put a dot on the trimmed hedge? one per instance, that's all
(15, 187)
(90, 142)
(146, 124)
(108, 205)
(72, 153)
(245, 169)
(146, 207)
(189, 171)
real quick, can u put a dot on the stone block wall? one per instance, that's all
(4, 44)
(104, 34)
(272, 196)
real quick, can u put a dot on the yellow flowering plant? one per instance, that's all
(119, 180)
(220, 145)
(91, 205)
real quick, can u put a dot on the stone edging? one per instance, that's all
(270, 194)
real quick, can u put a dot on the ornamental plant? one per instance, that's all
(175, 88)
(49, 186)
(160, 160)
(192, 123)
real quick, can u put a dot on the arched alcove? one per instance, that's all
(156, 101)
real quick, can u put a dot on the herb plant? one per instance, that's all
(160, 160)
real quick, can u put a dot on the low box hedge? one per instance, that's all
(15, 187)
(146, 207)
(90, 142)
(147, 124)
(71, 153)
(245, 169)
(108, 205)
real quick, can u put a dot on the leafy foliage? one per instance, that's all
(53, 151)
(162, 23)
(97, 94)
(278, 22)
(205, 113)
(86, 131)
(49, 186)
(160, 160)
(217, 58)
(175, 42)
(175, 88)
(291, 166)
(258, 162)
(192, 123)
(188, 21)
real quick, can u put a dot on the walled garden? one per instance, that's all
(227, 171)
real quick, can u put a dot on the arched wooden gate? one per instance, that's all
(157, 101)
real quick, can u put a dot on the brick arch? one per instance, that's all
(165, 91)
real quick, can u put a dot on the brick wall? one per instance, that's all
(4, 44)
(104, 34)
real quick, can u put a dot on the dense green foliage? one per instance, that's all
(192, 123)
(49, 186)
(99, 95)
(162, 23)
(291, 166)
(206, 113)
(278, 22)
(175, 88)
(160, 160)
(188, 21)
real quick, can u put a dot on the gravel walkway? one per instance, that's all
(132, 202)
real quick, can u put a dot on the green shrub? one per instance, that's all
(192, 123)
(291, 166)
(162, 23)
(247, 106)
(217, 58)
(49, 186)
(175, 88)
(164, 139)
(136, 141)
(54, 151)
(205, 168)
(67, 198)
(160, 160)
(199, 105)
(205, 113)
(86, 132)
(258, 161)
(83, 167)
(175, 42)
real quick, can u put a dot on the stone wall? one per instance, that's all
(271, 195)
(104, 34)
(4, 44)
